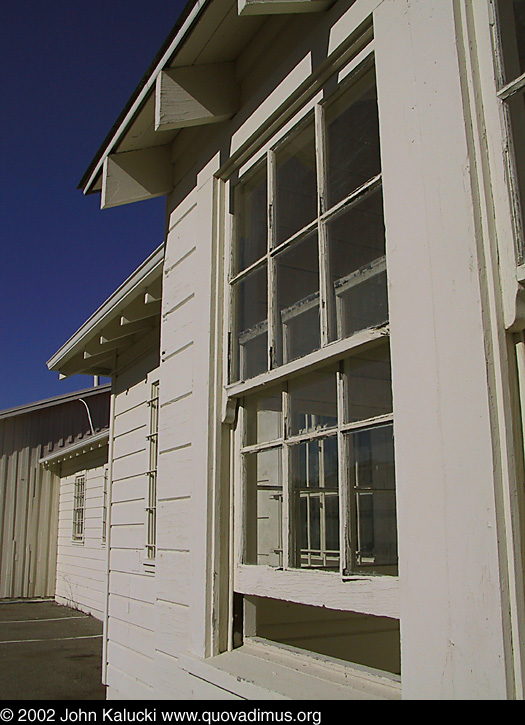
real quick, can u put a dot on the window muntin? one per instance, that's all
(325, 241)
(251, 323)
(318, 475)
(153, 445)
(79, 503)
(512, 92)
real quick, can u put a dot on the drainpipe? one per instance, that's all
(89, 416)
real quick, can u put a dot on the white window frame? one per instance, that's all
(375, 595)
(79, 508)
(153, 451)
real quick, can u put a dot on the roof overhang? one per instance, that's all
(130, 314)
(56, 400)
(190, 82)
(80, 448)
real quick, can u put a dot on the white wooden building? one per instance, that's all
(30, 491)
(342, 268)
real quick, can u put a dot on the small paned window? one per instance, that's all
(79, 498)
(153, 444)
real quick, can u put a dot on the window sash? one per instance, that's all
(273, 330)
(79, 507)
(350, 562)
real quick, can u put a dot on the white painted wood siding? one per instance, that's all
(81, 566)
(132, 590)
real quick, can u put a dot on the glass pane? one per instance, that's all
(251, 315)
(516, 106)
(298, 300)
(251, 218)
(314, 473)
(264, 417)
(372, 476)
(264, 500)
(357, 256)
(296, 183)
(512, 23)
(313, 401)
(369, 386)
(352, 137)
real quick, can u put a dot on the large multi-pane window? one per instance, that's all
(308, 276)
(308, 266)
(512, 91)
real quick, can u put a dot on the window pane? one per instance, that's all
(357, 256)
(313, 401)
(314, 472)
(251, 218)
(298, 299)
(352, 135)
(369, 386)
(371, 454)
(296, 183)
(512, 22)
(264, 417)
(251, 315)
(263, 542)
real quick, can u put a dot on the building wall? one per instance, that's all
(81, 566)
(130, 624)
(29, 493)
(460, 636)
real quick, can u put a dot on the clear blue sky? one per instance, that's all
(68, 68)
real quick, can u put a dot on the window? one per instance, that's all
(308, 263)
(151, 509)
(79, 497)
(512, 91)
(318, 469)
(315, 530)
(105, 507)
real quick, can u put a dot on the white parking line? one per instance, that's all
(51, 639)
(55, 619)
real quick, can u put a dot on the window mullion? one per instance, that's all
(273, 322)
(326, 307)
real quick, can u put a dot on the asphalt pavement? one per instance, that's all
(49, 652)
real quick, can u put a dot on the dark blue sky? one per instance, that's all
(68, 68)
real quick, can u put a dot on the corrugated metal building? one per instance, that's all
(29, 492)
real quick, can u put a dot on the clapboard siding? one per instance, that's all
(130, 647)
(81, 566)
(29, 494)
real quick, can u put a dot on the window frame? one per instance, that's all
(378, 595)
(152, 439)
(79, 508)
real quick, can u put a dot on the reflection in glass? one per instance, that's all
(372, 478)
(296, 183)
(357, 254)
(251, 316)
(352, 141)
(251, 214)
(264, 500)
(369, 386)
(314, 471)
(264, 417)
(298, 299)
(313, 401)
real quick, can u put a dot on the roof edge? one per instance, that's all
(149, 266)
(57, 400)
(97, 440)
